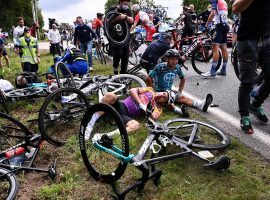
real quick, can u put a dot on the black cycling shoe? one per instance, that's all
(258, 113)
(208, 101)
(184, 110)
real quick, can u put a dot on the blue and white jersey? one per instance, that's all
(221, 9)
(163, 76)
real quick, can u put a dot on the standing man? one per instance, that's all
(203, 17)
(253, 46)
(3, 53)
(187, 19)
(83, 36)
(18, 31)
(220, 15)
(33, 29)
(98, 24)
(55, 39)
(121, 54)
(30, 52)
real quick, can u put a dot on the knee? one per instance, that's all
(109, 98)
(133, 125)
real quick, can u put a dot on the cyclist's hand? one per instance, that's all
(121, 17)
(154, 116)
(143, 107)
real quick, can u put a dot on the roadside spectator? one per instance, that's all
(220, 14)
(253, 47)
(83, 36)
(98, 24)
(121, 54)
(55, 39)
(193, 15)
(3, 53)
(187, 19)
(18, 32)
(203, 17)
(28, 46)
(33, 30)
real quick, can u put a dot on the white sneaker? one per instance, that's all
(91, 69)
(97, 137)
(208, 74)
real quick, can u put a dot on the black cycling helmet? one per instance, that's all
(99, 14)
(166, 36)
(172, 95)
(172, 53)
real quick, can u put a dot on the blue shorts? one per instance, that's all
(220, 34)
(78, 67)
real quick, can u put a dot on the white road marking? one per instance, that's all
(258, 134)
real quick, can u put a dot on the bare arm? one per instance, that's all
(134, 93)
(149, 81)
(210, 18)
(240, 5)
(182, 84)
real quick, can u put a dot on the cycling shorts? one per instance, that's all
(220, 34)
(122, 110)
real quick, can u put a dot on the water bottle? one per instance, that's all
(14, 152)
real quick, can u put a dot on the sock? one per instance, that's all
(178, 110)
(199, 104)
(92, 121)
(112, 133)
(223, 69)
(213, 68)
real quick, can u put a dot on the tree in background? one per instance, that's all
(12, 9)
(201, 5)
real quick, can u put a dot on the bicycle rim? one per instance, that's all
(129, 80)
(12, 132)
(103, 166)
(8, 185)
(25, 92)
(207, 136)
(60, 115)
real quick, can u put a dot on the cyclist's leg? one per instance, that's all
(200, 104)
(124, 59)
(224, 50)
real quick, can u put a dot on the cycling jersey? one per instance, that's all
(163, 76)
(146, 95)
(143, 18)
(221, 8)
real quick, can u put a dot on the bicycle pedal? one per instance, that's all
(52, 171)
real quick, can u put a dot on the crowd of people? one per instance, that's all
(252, 46)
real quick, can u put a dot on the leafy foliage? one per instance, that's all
(11, 10)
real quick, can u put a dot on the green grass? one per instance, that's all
(248, 177)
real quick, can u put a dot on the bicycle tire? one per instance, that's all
(12, 132)
(3, 102)
(105, 48)
(9, 185)
(136, 40)
(129, 80)
(217, 139)
(56, 116)
(24, 92)
(101, 56)
(120, 37)
(63, 72)
(96, 160)
(198, 68)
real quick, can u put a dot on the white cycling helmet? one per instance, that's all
(135, 7)
(71, 46)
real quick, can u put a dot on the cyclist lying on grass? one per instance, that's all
(162, 76)
(133, 106)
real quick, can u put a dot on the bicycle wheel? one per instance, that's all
(206, 135)
(117, 32)
(9, 185)
(136, 40)
(103, 166)
(200, 59)
(12, 132)
(64, 77)
(24, 92)
(105, 48)
(60, 115)
(129, 80)
(101, 56)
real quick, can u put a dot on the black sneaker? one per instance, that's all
(258, 113)
(246, 125)
(184, 110)
(208, 101)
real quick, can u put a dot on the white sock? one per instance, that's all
(112, 133)
(199, 104)
(92, 121)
